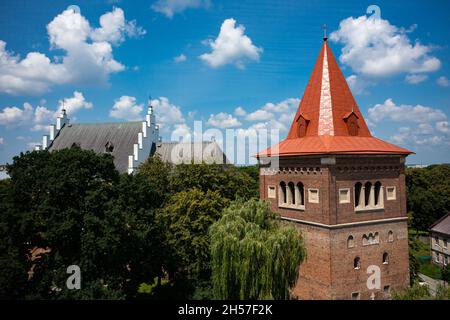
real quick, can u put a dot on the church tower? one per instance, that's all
(344, 189)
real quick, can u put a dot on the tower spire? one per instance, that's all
(149, 104)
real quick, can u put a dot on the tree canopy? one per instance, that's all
(253, 255)
(428, 194)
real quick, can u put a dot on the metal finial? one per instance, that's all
(324, 27)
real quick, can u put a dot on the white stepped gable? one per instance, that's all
(326, 112)
(148, 135)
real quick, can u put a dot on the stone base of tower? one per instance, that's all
(329, 271)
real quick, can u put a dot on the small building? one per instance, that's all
(440, 237)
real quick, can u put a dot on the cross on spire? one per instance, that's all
(324, 27)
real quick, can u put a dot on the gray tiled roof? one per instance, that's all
(206, 151)
(95, 136)
(442, 225)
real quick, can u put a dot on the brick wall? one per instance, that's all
(328, 272)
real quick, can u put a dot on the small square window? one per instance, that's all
(271, 192)
(313, 195)
(356, 296)
(390, 193)
(387, 289)
(344, 195)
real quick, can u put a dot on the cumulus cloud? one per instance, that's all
(231, 46)
(223, 120)
(13, 116)
(375, 48)
(415, 78)
(418, 113)
(74, 104)
(88, 54)
(180, 58)
(259, 115)
(420, 125)
(114, 28)
(43, 116)
(171, 7)
(167, 114)
(443, 81)
(126, 108)
(240, 112)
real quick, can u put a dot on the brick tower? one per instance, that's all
(344, 189)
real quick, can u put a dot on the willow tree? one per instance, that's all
(253, 255)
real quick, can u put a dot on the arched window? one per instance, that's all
(301, 194)
(385, 258)
(390, 236)
(357, 263)
(376, 238)
(291, 196)
(367, 190)
(350, 242)
(358, 187)
(377, 192)
(282, 193)
(365, 240)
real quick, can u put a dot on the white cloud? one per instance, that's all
(126, 108)
(13, 116)
(43, 117)
(415, 78)
(259, 115)
(376, 48)
(240, 112)
(181, 132)
(358, 84)
(167, 114)
(232, 46)
(87, 59)
(114, 27)
(74, 104)
(443, 126)
(416, 114)
(284, 106)
(171, 7)
(223, 120)
(420, 125)
(443, 81)
(32, 145)
(180, 58)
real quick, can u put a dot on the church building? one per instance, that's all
(130, 143)
(344, 189)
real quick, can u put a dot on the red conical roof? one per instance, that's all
(328, 119)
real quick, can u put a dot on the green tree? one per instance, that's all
(186, 218)
(253, 255)
(446, 273)
(422, 292)
(227, 180)
(75, 203)
(428, 194)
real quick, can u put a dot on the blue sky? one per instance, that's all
(201, 60)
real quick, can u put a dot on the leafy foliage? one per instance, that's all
(422, 292)
(186, 218)
(253, 255)
(228, 181)
(75, 203)
(428, 192)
